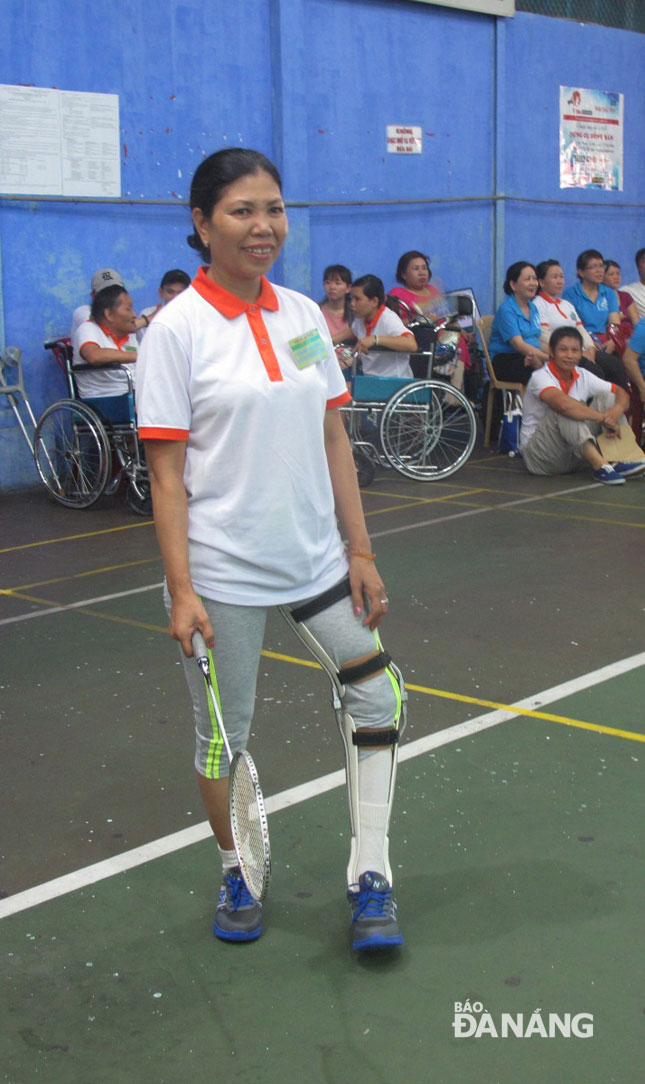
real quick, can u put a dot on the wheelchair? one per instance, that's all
(86, 448)
(424, 428)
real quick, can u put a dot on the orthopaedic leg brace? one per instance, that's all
(356, 741)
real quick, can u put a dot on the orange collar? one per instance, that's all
(369, 325)
(227, 303)
(553, 301)
(110, 334)
(566, 387)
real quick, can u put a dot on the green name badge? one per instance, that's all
(308, 349)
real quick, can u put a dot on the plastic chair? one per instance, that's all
(484, 325)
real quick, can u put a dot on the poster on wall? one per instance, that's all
(59, 142)
(591, 139)
(403, 139)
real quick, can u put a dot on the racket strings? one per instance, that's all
(249, 825)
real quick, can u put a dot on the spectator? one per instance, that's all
(596, 304)
(377, 326)
(565, 408)
(173, 283)
(514, 346)
(100, 280)
(108, 336)
(637, 289)
(415, 289)
(335, 306)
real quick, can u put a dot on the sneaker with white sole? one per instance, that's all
(374, 924)
(629, 470)
(238, 916)
(608, 476)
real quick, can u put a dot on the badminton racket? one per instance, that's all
(249, 825)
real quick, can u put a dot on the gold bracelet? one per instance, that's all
(360, 553)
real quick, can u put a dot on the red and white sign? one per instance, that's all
(403, 139)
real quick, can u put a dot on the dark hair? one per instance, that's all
(639, 255)
(586, 256)
(338, 270)
(176, 277)
(372, 287)
(611, 263)
(544, 266)
(407, 258)
(215, 174)
(513, 273)
(104, 300)
(566, 331)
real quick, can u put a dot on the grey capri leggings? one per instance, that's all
(239, 633)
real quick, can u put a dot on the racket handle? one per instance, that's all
(200, 651)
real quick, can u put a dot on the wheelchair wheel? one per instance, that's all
(72, 453)
(428, 430)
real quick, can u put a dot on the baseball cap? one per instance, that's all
(106, 277)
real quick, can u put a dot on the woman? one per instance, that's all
(597, 304)
(629, 317)
(415, 289)
(515, 348)
(556, 312)
(108, 336)
(383, 340)
(336, 308)
(248, 457)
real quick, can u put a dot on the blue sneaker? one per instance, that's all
(608, 476)
(238, 916)
(628, 470)
(374, 923)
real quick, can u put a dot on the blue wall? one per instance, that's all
(313, 84)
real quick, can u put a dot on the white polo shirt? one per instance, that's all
(247, 387)
(556, 312)
(104, 381)
(637, 290)
(584, 385)
(383, 362)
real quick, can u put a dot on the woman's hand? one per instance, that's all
(188, 614)
(365, 344)
(368, 591)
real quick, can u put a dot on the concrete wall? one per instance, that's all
(312, 83)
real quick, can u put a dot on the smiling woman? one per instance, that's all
(249, 466)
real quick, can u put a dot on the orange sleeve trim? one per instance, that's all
(340, 400)
(163, 434)
(263, 343)
(407, 333)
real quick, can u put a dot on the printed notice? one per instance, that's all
(591, 139)
(403, 139)
(59, 143)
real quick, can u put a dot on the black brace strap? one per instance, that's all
(322, 602)
(350, 674)
(375, 737)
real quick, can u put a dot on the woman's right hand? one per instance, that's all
(186, 615)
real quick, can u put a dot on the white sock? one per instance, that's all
(229, 858)
(374, 770)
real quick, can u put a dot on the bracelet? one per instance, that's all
(144, 317)
(361, 553)
(375, 340)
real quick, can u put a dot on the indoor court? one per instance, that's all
(516, 618)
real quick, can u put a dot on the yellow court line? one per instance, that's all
(457, 497)
(514, 709)
(584, 519)
(78, 575)
(73, 537)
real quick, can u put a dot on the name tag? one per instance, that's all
(308, 349)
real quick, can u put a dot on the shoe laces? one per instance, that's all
(373, 903)
(239, 894)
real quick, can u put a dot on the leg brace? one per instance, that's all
(353, 739)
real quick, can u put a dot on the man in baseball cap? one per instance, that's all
(106, 276)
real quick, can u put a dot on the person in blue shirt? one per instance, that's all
(596, 304)
(634, 358)
(514, 345)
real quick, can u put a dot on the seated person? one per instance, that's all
(515, 348)
(109, 335)
(637, 289)
(416, 292)
(596, 304)
(377, 326)
(335, 306)
(100, 281)
(556, 312)
(634, 358)
(559, 427)
(628, 310)
(173, 282)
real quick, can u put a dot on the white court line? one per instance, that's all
(79, 605)
(373, 534)
(81, 878)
